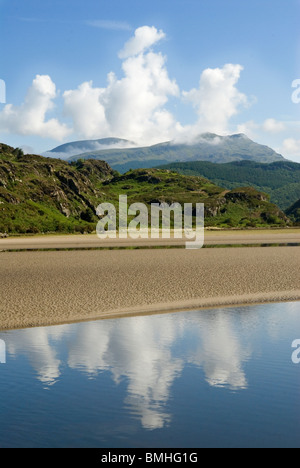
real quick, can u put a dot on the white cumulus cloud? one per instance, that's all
(135, 106)
(291, 147)
(217, 98)
(88, 113)
(30, 117)
(132, 107)
(144, 38)
(273, 126)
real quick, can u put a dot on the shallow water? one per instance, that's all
(214, 378)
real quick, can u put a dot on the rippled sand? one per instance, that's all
(45, 288)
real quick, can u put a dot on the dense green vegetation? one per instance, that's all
(48, 195)
(242, 207)
(40, 194)
(281, 180)
(294, 212)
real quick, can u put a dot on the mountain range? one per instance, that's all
(121, 155)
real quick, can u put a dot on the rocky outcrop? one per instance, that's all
(70, 189)
(246, 194)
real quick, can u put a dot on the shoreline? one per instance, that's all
(52, 288)
(212, 237)
(290, 297)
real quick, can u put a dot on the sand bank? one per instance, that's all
(47, 288)
(277, 236)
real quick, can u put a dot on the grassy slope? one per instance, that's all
(237, 208)
(48, 195)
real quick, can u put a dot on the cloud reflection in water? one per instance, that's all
(147, 353)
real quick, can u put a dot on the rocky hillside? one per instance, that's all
(40, 194)
(241, 207)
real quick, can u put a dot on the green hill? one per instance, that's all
(281, 180)
(294, 212)
(242, 207)
(40, 194)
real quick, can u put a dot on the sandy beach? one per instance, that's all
(48, 288)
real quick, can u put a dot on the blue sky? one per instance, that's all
(187, 66)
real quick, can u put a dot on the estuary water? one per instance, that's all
(209, 378)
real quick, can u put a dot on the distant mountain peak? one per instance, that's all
(73, 148)
(239, 135)
(123, 155)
